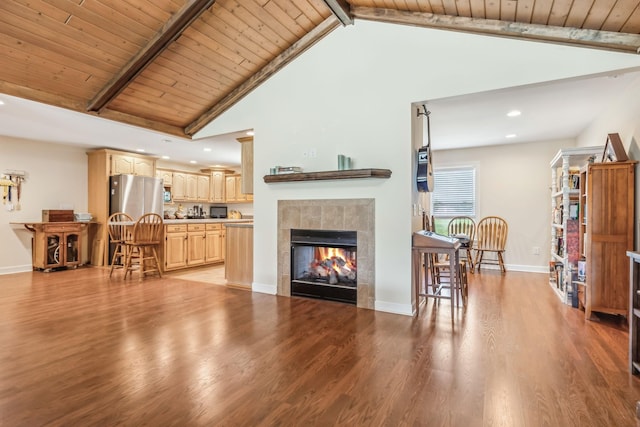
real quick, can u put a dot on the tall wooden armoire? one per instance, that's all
(609, 212)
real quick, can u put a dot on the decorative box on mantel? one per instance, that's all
(325, 175)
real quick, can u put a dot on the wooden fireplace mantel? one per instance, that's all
(324, 175)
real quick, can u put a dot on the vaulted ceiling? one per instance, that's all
(175, 65)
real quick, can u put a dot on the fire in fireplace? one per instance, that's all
(323, 264)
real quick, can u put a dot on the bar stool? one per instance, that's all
(141, 248)
(117, 225)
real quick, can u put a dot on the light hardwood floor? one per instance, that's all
(79, 349)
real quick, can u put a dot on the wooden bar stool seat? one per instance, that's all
(142, 247)
(117, 227)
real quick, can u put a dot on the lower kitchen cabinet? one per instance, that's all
(195, 244)
(214, 243)
(190, 245)
(175, 246)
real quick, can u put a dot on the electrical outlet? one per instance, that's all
(305, 154)
(312, 153)
(536, 250)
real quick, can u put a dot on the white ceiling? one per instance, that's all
(556, 110)
(21, 118)
(550, 111)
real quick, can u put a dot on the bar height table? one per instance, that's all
(428, 242)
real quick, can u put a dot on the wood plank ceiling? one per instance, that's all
(174, 65)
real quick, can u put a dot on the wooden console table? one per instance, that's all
(56, 244)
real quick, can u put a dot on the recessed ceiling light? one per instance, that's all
(513, 113)
(166, 157)
(250, 133)
(1, 102)
(166, 140)
(511, 135)
(140, 150)
(207, 149)
(192, 161)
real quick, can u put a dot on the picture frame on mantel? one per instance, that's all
(614, 150)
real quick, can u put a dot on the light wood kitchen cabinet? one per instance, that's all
(239, 266)
(179, 186)
(166, 176)
(188, 245)
(196, 234)
(230, 188)
(246, 164)
(215, 241)
(202, 186)
(216, 187)
(175, 246)
(130, 164)
(101, 165)
(192, 187)
(233, 189)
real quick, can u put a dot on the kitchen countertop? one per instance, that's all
(207, 221)
(241, 224)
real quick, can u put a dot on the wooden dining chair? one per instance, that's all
(142, 247)
(116, 225)
(464, 227)
(491, 237)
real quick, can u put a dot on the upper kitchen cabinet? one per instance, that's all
(179, 186)
(202, 194)
(233, 189)
(217, 184)
(247, 165)
(190, 187)
(217, 187)
(131, 164)
(166, 176)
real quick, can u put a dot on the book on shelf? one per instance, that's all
(287, 169)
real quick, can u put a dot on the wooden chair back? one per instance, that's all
(462, 225)
(428, 222)
(148, 229)
(118, 232)
(492, 233)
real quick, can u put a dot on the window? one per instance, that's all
(454, 192)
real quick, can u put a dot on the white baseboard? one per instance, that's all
(516, 267)
(16, 269)
(264, 289)
(394, 307)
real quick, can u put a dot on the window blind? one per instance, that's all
(454, 192)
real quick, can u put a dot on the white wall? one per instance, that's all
(57, 177)
(351, 94)
(622, 117)
(513, 182)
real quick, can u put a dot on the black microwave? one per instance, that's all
(218, 212)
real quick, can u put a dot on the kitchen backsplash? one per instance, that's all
(245, 209)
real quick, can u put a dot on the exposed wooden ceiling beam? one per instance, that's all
(341, 10)
(623, 42)
(141, 122)
(79, 106)
(169, 32)
(41, 96)
(292, 52)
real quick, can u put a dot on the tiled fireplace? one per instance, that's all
(354, 215)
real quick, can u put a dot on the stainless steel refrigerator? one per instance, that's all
(136, 195)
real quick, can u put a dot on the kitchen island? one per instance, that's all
(239, 258)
